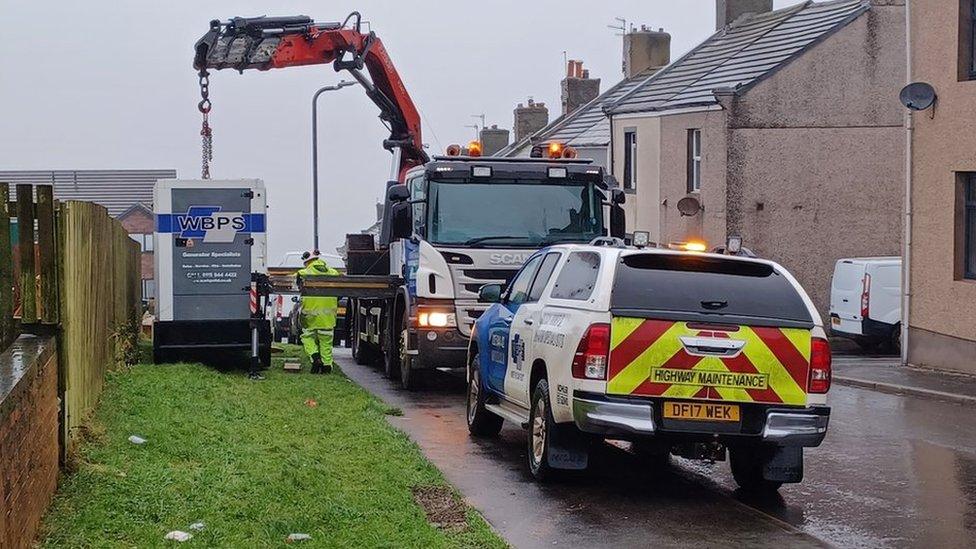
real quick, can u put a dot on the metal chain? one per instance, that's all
(206, 132)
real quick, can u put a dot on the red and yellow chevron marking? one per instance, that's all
(647, 358)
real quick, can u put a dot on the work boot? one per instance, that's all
(317, 366)
(327, 368)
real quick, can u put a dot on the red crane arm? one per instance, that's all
(265, 43)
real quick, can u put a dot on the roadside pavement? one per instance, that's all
(886, 374)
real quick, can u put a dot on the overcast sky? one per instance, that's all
(104, 84)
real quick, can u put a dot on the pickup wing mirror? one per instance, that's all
(490, 293)
(618, 196)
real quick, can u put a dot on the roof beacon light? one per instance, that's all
(695, 246)
(474, 148)
(555, 150)
(570, 152)
(454, 150)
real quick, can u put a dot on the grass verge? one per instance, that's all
(254, 462)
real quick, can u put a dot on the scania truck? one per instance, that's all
(457, 224)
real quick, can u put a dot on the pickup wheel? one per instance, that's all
(481, 422)
(541, 425)
(747, 465)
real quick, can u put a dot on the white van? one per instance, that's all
(865, 301)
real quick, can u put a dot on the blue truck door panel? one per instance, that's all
(496, 342)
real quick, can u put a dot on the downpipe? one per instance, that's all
(906, 263)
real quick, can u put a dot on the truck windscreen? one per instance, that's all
(513, 214)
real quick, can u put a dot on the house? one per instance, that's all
(126, 194)
(780, 128)
(941, 247)
(583, 124)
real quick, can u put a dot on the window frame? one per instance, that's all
(562, 269)
(969, 226)
(629, 183)
(694, 160)
(536, 296)
(511, 286)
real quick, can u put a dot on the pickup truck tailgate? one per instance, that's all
(708, 327)
(735, 363)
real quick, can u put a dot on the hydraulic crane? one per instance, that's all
(265, 43)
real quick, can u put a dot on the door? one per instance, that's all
(525, 324)
(845, 297)
(212, 253)
(500, 327)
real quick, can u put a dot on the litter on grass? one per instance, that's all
(177, 535)
(137, 440)
(197, 526)
(311, 403)
(292, 538)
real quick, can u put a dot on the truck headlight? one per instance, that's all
(437, 319)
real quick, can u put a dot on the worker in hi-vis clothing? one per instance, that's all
(318, 316)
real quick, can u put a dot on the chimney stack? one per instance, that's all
(727, 11)
(578, 88)
(646, 50)
(493, 139)
(530, 118)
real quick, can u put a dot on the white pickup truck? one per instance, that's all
(680, 353)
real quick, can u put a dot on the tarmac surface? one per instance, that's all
(894, 471)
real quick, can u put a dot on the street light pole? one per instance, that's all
(315, 157)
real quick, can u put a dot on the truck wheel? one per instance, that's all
(359, 353)
(481, 422)
(894, 342)
(541, 425)
(747, 465)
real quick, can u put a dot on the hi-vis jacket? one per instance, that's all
(319, 313)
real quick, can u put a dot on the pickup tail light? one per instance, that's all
(865, 296)
(592, 353)
(820, 369)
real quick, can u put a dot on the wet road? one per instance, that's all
(894, 471)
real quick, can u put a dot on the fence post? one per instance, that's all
(25, 228)
(46, 249)
(6, 271)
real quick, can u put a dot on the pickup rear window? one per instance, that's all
(700, 285)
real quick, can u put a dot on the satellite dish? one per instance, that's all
(918, 96)
(689, 206)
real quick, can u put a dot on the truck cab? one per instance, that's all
(459, 223)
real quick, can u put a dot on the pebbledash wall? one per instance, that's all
(942, 324)
(28, 437)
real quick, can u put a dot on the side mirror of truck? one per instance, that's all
(398, 193)
(490, 293)
(618, 224)
(618, 196)
(401, 221)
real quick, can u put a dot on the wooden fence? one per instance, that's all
(74, 271)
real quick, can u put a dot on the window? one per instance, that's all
(418, 194)
(518, 291)
(677, 284)
(578, 276)
(967, 40)
(694, 161)
(148, 289)
(545, 273)
(630, 159)
(969, 226)
(145, 241)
